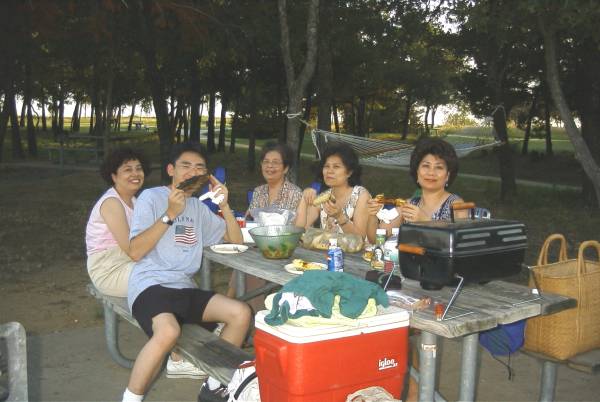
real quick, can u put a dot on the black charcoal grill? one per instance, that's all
(478, 250)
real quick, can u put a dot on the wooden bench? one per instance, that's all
(588, 362)
(206, 350)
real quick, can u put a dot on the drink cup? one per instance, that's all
(241, 221)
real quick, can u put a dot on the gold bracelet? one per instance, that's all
(342, 224)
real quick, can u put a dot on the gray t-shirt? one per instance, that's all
(178, 254)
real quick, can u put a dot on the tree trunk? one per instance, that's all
(4, 117)
(61, 114)
(210, 135)
(361, 116)
(306, 117)
(186, 125)
(324, 70)
(548, 126)
(406, 115)
(74, 117)
(582, 152)
(22, 116)
(54, 113)
(525, 147)
(195, 118)
(130, 124)
(336, 120)
(222, 122)
(92, 111)
(17, 147)
(251, 161)
(296, 85)
(508, 184)
(234, 128)
(31, 137)
(43, 103)
(433, 110)
(425, 120)
(154, 80)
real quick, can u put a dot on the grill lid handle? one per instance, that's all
(408, 248)
(457, 206)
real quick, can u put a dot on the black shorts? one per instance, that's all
(186, 304)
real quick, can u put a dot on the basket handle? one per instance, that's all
(581, 269)
(562, 253)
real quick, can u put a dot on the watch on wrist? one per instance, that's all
(166, 220)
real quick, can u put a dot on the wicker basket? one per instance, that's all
(570, 332)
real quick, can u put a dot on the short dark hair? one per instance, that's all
(118, 157)
(348, 157)
(178, 149)
(287, 155)
(437, 147)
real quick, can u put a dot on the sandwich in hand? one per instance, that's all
(323, 197)
(398, 202)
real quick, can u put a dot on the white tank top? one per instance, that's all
(97, 236)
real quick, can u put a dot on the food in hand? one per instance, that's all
(193, 184)
(323, 197)
(381, 199)
(302, 265)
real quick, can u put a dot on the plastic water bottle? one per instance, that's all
(390, 252)
(377, 258)
(335, 257)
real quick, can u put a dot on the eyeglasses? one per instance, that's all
(273, 163)
(186, 166)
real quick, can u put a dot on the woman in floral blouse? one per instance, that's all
(278, 192)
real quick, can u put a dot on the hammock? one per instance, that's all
(385, 153)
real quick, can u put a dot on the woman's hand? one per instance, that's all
(373, 207)
(308, 195)
(332, 209)
(412, 213)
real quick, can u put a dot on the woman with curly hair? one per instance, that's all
(107, 232)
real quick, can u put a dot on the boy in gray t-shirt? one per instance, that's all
(168, 232)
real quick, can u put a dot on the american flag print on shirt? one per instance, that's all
(185, 234)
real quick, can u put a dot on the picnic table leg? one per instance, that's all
(240, 284)
(427, 356)
(15, 338)
(205, 274)
(111, 332)
(469, 367)
(548, 381)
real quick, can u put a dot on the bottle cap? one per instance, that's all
(395, 231)
(380, 232)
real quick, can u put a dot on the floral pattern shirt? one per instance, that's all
(328, 223)
(289, 197)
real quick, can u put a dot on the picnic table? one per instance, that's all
(477, 308)
(83, 143)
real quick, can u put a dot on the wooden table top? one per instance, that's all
(477, 307)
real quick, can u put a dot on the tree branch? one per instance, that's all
(582, 152)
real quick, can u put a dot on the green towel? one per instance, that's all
(320, 287)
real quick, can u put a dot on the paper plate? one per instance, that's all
(229, 248)
(292, 269)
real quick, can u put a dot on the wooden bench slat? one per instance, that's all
(206, 350)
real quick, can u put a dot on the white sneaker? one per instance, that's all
(184, 369)
(217, 331)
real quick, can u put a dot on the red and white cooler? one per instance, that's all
(327, 363)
